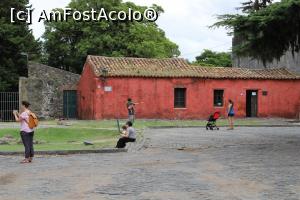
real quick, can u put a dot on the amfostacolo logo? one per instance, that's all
(66, 14)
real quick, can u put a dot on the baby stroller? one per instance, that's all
(212, 121)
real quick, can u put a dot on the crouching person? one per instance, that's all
(127, 136)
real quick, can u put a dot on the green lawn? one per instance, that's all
(161, 123)
(63, 139)
(102, 133)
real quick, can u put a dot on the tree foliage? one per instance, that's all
(68, 43)
(16, 40)
(267, 33)
(213, 59)
(254, 5)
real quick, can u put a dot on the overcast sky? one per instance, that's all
(185, 22)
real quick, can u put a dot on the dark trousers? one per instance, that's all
(122, 142)
(131, 118)
(27, 139)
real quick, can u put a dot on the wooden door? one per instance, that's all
(251, 103)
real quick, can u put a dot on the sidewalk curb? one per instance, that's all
(138, 145)
(64, 152)
(223, 126)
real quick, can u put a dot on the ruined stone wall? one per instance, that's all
(44, 89)
(288, 61)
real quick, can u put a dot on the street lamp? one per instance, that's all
(104, 73)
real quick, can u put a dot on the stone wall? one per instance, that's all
(288, 61)
(44, 89)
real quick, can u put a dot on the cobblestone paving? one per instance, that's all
(189, 163)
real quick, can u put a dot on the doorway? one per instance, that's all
(251, 103)
(70, 104)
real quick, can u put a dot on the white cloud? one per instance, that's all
(185, 22)
(39, 6)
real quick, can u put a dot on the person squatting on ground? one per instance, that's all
(26, 132)
(230, 111)
(128, 135)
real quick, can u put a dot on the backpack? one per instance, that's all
(33, 120)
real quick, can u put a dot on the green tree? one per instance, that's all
(213, 59)
(16, 40)
(68, 43)
(254, 5)
(266, 34)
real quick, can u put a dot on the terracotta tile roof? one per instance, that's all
(177, 67)
(244, 73)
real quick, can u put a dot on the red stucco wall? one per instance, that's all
(157, 95)
(86, 93)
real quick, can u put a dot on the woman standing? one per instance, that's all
(25, 132)
(230, 111)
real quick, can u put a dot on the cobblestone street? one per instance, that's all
(188, 163)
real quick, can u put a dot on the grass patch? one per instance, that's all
(63, 139)
(103, 133)
(160, 123)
